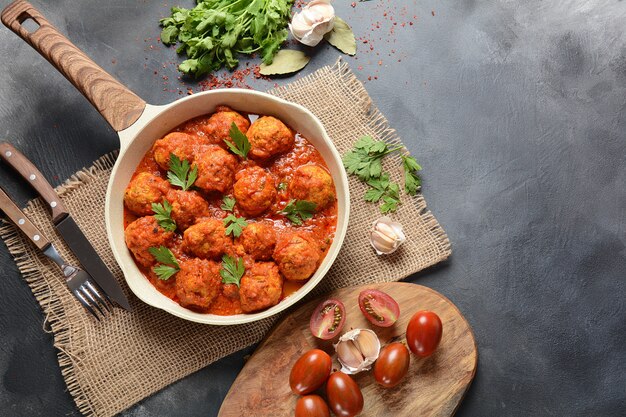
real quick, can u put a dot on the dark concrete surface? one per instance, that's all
(515, 109)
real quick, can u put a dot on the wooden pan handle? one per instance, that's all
(119, 106)
(18, 217)
(30, 173)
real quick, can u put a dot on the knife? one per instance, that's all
(65, 225)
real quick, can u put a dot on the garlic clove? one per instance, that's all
(357, 350)
(350, 354)
(386, 236)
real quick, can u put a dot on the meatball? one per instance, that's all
(313, 183)
(254, 191)
(187, 207)
(143, 234)
(216, 168)
(260, 287)
(258, 240)
(269, 136)
(180, 144)
(198, 283)
(297, 256)
(207, 239)
(143, 190)
(217, 128)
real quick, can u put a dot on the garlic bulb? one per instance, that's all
(311, 24)
(357, 350)
(387, 236)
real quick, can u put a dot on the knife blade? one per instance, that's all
(66, 226)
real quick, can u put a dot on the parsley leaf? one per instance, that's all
(179, 174)
(365, 161)
(169, 265)
(234, 225)
(240, 144)
(228, 203)
(412, 181)
(232, 270)
(165, 272)
(383, 188)
(163, 215)
(389, 204)
(298, 211)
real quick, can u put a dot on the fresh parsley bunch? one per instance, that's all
(215, 31)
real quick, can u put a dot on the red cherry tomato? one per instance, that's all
(328, 319)
(344, 395)
(310, 371)
(423, 333)
(312, 406)
(392, 365)
(379, 308)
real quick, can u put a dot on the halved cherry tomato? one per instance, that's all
(344, 395)
(392, 364)
(379, 308)
(328, 319)
(423, 333)
(310, 371)
(312, 406)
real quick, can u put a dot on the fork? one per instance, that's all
(79, 282)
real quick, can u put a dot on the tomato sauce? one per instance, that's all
(321, 228)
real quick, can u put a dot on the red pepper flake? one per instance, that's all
(380, 62)
(432, 12)
(360, 68)
(353, 4)
(411, 23)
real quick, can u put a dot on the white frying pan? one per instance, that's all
(139, 124)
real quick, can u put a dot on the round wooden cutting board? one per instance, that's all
(434, 386)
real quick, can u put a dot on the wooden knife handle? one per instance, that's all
(18, 217)
(119, 106)
(30, 173)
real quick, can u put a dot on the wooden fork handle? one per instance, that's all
(117, 104)
(18, 217)
(31, 174)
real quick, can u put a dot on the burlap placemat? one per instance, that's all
(110, 365)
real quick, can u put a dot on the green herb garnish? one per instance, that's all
(179, 174)
(297, 211)
(214, 31)
(412, 181)
(240, 144)
(365, 161)
(232, 270)
(234, 225)
(228, 203)
(163, 215)
(168, 263)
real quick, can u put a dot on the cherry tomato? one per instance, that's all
(423, 333)
(392, 365)
(310, 371)
(379, 308)
(312, 406)
(328, 319)
(344, 395)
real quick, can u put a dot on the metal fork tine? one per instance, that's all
(91, 297)
(85, 304)
(101, 300)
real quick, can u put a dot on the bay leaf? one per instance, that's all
(342, 37)
(285, 61)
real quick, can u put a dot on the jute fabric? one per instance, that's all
(110, 365)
